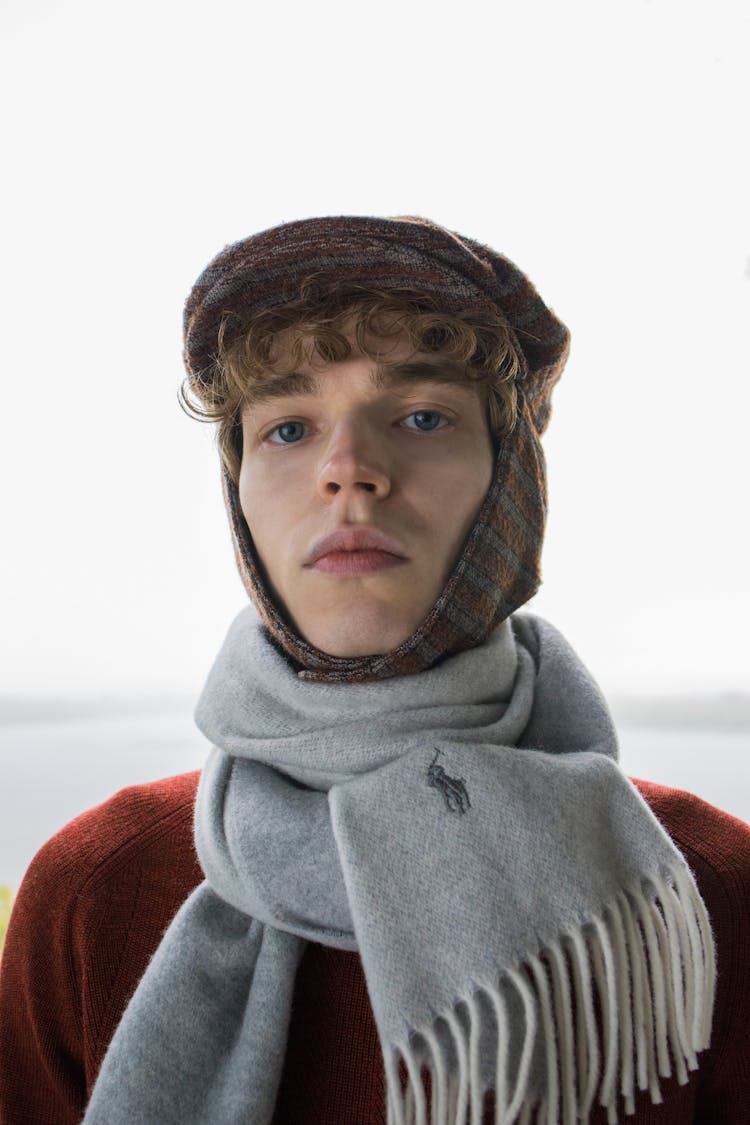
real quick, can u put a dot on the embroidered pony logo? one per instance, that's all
(452, 788)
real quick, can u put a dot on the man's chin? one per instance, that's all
(357, 637)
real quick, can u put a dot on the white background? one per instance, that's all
(601, 146)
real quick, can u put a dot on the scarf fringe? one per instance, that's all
(616, 1006)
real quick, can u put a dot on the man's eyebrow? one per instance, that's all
(285, 386)
(417, 371)
(383, 376)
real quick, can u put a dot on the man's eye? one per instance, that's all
(288, 432)
(425, 420)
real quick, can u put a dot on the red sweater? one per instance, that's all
(99, 895)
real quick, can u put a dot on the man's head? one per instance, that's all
(367, 389)
(361, 476)
(364, 413)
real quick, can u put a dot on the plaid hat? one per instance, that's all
(499, 567)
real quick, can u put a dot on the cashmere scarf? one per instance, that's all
(525, 924)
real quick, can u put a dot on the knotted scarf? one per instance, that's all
(524, 923)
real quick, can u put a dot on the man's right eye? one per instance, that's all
(288, 432)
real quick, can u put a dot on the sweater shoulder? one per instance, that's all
(118, 831)
(92, 907)
(702, 831)
(130, 857)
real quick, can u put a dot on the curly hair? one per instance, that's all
(476, 346)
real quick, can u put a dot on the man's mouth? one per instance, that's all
(356, 562)
(355, 550)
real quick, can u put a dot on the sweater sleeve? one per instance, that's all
(716, 846)
(88, 914)
(724, 866)
(42, 1079)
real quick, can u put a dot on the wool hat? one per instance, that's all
(498, 569)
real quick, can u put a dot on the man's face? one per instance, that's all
(394, 465)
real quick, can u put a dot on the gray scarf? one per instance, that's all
(525, 924)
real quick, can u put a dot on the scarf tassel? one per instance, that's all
(616, 1006)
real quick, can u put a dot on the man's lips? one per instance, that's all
(355, 562)
(355, 550)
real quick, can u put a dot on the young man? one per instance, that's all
(423, 891)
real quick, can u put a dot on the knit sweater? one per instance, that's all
(97, 898)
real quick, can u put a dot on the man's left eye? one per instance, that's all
(425, 420)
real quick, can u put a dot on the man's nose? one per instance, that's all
(353, 462)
